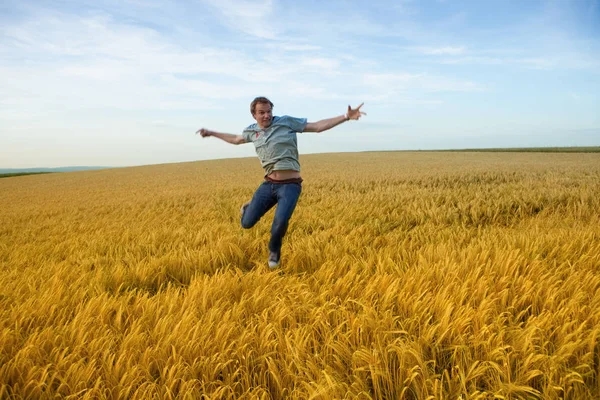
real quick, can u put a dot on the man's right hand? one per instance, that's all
(204, 132)
(227, 137)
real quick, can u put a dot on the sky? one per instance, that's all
(129, 82)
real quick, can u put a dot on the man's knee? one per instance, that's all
(246, 224)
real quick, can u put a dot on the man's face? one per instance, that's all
(263, 115)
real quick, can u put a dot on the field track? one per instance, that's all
(405, 275)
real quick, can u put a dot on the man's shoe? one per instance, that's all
(243, 209)
(273, 260)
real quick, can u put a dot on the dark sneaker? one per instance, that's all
(273, 260)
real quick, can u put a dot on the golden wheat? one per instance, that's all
(405, 275)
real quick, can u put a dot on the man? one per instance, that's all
(277, 148)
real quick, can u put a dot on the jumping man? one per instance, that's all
(277, 148)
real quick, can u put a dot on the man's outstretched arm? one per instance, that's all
(325, 124)
(227, 137)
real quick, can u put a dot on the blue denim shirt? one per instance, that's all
(277, 145)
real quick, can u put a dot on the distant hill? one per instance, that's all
(37, 170)
(574, 149)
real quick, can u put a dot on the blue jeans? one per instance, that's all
(285, 195)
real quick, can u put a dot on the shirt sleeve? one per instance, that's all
(249, 132)
(247, 135)
(295, 124)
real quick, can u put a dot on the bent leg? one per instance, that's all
(287, 198)
(262, 201)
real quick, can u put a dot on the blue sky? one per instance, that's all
(128, 82)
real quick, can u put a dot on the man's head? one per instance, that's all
(262, 111)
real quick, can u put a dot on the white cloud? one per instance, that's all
(297, 47)
(248, 16)
(61, 35)
(441, 51)
(403, 82)
(573, 61)
(99, 62)
(250, 9)
(327, 65)
(305, 91)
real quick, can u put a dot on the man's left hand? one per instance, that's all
(355, 113)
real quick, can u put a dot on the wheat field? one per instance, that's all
(405, 275)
